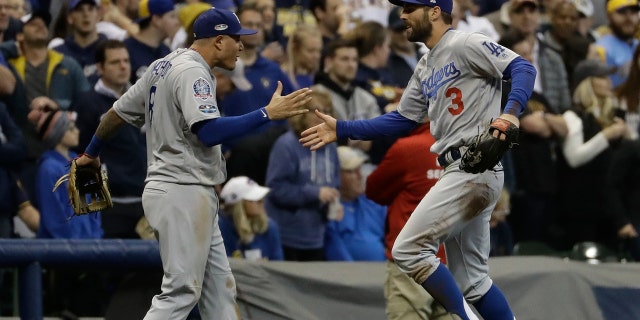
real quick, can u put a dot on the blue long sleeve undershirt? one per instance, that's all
(391, 124)
(520, 71)
(523, 77)
(212, 132)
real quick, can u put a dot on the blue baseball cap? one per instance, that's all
(445, 5)
(42, 14)
(215, 22)
(74, 4)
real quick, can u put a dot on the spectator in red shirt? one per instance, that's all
(405, 174)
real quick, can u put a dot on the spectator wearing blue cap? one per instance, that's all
(81, 44)
(157, 18)
(175, 100)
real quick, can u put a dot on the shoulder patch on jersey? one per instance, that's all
(494, 48)
(207, 108)
(202, 89)
(161, 68)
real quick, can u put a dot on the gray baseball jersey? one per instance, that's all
(455, 84)
(174, 93)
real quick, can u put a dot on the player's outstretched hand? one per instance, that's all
(318, 136)
(282, 107)
(84, 160)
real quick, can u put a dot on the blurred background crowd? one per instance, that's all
(575, 177)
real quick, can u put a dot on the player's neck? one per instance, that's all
(439, 29)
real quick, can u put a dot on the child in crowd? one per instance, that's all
(59, 133)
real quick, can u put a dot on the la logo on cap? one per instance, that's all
(220, 27)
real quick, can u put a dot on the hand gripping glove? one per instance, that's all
(88, 189)
(486, 150)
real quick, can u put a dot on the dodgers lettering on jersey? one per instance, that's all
(175, 93)
(439, 78)
(458, 85)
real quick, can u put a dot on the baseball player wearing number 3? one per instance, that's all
(458, 85)
(176, 100)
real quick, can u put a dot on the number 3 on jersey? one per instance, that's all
(456, 100)
(152, 99)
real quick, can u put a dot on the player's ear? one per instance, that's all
(217, 41)
(435, 13)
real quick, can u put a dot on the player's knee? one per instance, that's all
(396, 253)
(191, 294)
(197, 292)
(188, 290)
(403, 258)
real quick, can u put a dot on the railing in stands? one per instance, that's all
(28, 255)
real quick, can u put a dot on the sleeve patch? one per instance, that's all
(207, 108)
(202, 89)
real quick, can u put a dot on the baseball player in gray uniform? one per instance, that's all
(175, 99)
(458, 85)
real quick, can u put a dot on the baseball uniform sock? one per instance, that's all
(442, 287)
(493, 305)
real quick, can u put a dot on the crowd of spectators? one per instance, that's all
(574, 177)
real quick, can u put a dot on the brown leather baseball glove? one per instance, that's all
(88, 188)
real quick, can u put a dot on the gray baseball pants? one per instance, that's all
(196, 268)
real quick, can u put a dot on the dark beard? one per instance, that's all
(422, 32)
(37, 43)
(420, 35)
(620, 33)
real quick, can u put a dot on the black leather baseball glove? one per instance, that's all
(486, 150)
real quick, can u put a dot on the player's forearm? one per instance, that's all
(216, 131)
(108, 126)
(523, 78)
(391, 124)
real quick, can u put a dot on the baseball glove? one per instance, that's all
(88, 189)
(486, 150)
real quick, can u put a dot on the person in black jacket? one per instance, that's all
(125, 154)
(404, 55)
(622, 194)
